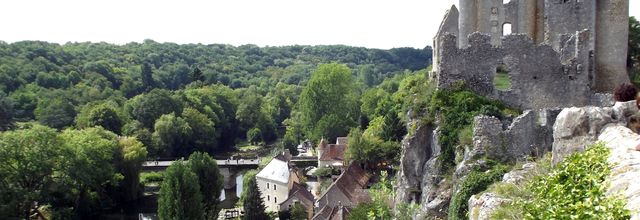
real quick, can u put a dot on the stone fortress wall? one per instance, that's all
(561, 53)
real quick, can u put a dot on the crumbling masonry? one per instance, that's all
(561, 52)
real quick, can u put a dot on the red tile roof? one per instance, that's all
(333, 152)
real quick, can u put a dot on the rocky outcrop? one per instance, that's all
(529, 134)
(577, 128)
(626, 165)
(419, 179)
(482, 206)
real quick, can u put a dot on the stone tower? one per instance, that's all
(600, 25)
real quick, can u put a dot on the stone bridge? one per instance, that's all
(229, 168)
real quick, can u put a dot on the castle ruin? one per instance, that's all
(557, 53)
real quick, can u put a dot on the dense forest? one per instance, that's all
(134, 88)
(76, 109)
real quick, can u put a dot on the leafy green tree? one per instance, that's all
(210, 180)
(180, 196)
(6, 113)
(25, 101)
(132, 154)
(196, 74)
(88, 169)
(204, 136)
(254, 208)
(148, 107)
(103, 114)
(29, 158)
(173, 134)
(55, 112)
(146, 74)
(254, 135)
(328, 104)
(370, 150)
(298, 212)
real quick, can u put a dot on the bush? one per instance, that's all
(455, 110)
(151, 177)
(575, 189)
(476, 182)
(324, 172)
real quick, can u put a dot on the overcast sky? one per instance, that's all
(369, 23)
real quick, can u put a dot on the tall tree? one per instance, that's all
(103, 114)
(147, 77)
(6, 113)
(28, 158)
(146, 108)
(180, 196)
(253, 204)
(88, 169)
(210, 180)
(328, 104)
(132, 154)
(55, 112)
(172, 134)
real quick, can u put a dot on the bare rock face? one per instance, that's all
(482, 206)
(577, 128)
(626, 165)
(416, 151)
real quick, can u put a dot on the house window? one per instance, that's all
(267, 185)
(268, 198)
(274, 187)
(275, 199)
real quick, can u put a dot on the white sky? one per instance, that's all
(369, 23)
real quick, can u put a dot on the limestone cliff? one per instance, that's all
(419, 179)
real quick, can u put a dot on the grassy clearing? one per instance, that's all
(502, 81)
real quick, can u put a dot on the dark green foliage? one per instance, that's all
(210, 180)
(148, 107)
(88, 169)
(370, 150)
(104, 115)
(29, 158)
(254, 135)
(172, 135)
(55, 112)
(6, 113)
(254, 208)
(476, 182)
(456, 109)
(180, 196)
(575, 189)
(298, 212)
(328, 104)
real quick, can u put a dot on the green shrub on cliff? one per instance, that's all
(476, 182)
(455, 109)
(575, 189)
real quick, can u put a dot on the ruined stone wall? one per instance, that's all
(530, 134)
(539, 79)
(449, 25)
(555, 22)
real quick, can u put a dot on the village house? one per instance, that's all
(343, 194)
(273, 183)
(281, 186)
(332, 155)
